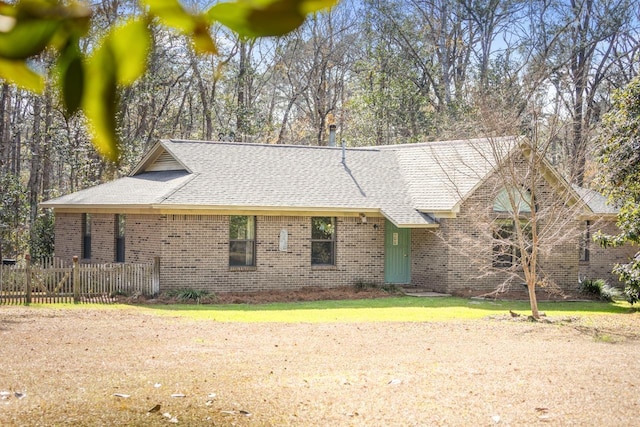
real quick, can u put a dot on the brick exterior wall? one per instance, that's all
(195, 253)
(194, 250)
(430, 260)
(601, 260)
(458, 257)
(68, 235)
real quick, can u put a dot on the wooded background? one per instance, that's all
(382, 71)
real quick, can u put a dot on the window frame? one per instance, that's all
(120, 237)
(250, 241)
(329, 242)
(522, 198)
(508, 255)
(86, 236)
(583, 245)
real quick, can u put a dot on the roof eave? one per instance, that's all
(80, 207)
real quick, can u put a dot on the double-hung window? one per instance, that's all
(86, 236)
(512, 231)
(584, 242)
(242, 241)
(507, 245)
(121, 221)
(323, 240)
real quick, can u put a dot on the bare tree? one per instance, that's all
(578, 46)
(520, 224)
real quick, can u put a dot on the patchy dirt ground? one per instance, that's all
(106, 366)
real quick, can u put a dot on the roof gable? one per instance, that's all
(158, 159)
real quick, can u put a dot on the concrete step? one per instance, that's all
(416, 291)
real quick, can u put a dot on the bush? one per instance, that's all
(361, 285)
(600, 289)
(119, 293)
(188, 294)
(390, 288)
(629, 274)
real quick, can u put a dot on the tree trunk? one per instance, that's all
(533, 300)
(242, 83)
(202, 91)
(35, 172)
(5, 143)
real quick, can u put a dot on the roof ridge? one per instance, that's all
(449, 142)
(266, 144)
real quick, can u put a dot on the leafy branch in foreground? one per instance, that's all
(90, 82)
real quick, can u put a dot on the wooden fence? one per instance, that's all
(54, 281)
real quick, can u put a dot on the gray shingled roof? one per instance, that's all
(406, 183)
(140, 190)
(441, 174)
(596, 201)
(259, 177)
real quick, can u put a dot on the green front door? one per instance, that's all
(397, 254)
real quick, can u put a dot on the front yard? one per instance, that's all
(395, 361)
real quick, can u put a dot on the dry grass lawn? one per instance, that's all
(68, 365)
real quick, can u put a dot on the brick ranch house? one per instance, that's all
(234, 217)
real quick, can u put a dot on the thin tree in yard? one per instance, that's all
(521, 216)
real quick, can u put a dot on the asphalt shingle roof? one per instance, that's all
(405, 182)
(440, 174)
(596, 201)
(139, 190)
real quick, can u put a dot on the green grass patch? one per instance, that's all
(395, 309)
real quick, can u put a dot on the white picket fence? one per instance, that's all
(53, 280)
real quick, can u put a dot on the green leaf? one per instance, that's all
(260, 18)
(19, 73)
(202, 41)
(172, 14)
(117, 61)
(312, 6)
(28, 37)
(100, 101)
(70, 72)
(130, 57)
(29, 26)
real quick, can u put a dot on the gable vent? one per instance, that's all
(164, 162)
